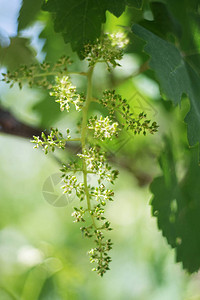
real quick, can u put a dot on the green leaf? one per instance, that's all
(186, 13)
(54, 45)
(28, 12)
(163, 23)
(80, 21)
(17, 53)
(116, 7)
(176, 77)
(176, 205)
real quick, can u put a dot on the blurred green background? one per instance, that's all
(42, 253)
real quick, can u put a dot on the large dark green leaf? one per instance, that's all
(176, 205)
(54, 46)
(80, 21)
(163, 23)
(28, 11)
(186, 13)
(176, 77)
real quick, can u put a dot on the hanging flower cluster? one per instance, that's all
(99, 195)
(107, 49)
(94, 194)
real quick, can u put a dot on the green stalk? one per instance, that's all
(89, 99)
(83, 136)
(55, 74)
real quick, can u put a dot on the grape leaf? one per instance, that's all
(176, 77)
(54, 45)
(28, 11)
(176, 205)
(17, 53)
(80, 21)
(186, 13)
(163, 23)
(116, 7)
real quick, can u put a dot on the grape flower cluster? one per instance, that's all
(91, 161)
(108, 48)
(66, 94)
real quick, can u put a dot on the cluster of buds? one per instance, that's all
(99, 255)
(70, 183)
(37, 74)
(108, 49)
(97, 164)
(49, 142)
(99, 196)
(65, 94)
(116, 105)
(78, 214)
(102, 195)
(118, 40)
(91, 160)
(103, 128)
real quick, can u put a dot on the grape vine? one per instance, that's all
(92, 159)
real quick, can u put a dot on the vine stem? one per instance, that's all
(83, 136)
(89, 99)
(55, 73)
